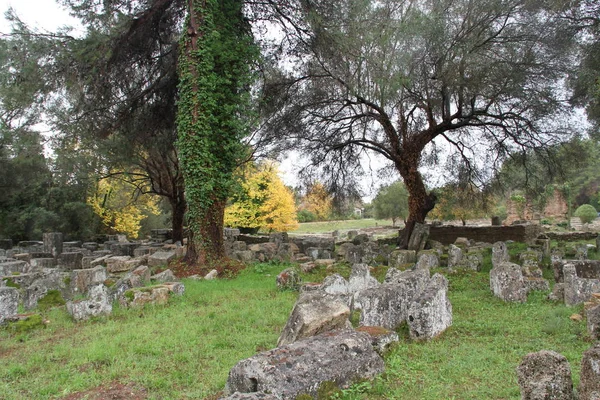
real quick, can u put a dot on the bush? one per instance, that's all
(306, 216)
(586, 213)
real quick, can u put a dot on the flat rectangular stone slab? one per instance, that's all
(342, 357)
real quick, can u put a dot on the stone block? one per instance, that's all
(289, 279)
(213, 274)
(42, 284)
(70, 261)
(428, 260)
(500, 253)
(314, 313)
(545, 375)
(247, 256)
(578, 290)
(249, 396)
(38, 264)
(341, 357)
(419, 236)
(165, 276)
(99, 302)
(506, 282)
(539, 284)
(592, 315)
(137, 297)
(402, 257)
(589, 388)
(82, 278)
(381, 338)
(91, 246)
(53, 243)
(385, 305)
(13, 267)
(455, 256)
(98, 261)
(360, 278)
(335, 284)
(430, 313)
(139, 276)
(120, 264)
(9, 302)
(558, 292)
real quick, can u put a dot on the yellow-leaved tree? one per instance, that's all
(262, 201)
(318, 201)
(121, 207)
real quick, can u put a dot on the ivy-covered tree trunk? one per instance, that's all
(216, 51)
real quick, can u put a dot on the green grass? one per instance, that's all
(330, 226)
(184, 350)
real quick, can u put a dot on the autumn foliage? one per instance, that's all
(262, 201)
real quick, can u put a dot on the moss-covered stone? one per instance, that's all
(10, 283)
(53, 298)
(29, 323)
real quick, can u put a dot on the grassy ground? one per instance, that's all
(184, 350)
(329, 226)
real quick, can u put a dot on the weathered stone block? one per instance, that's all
(70, 261)
(578, 290)
(82, 278)
(402, 257)
(381, 338)
(314, 313)
(540, 284)
(289, 279)
(589, 388)
(342, 357)
(592, 315)
(418, 238)
(249, 396)
(430, 313)
(455, 256)
(558, 292)
(545, 375)
(506, 282)
(428, 260)
(99, 302)
(124, 248)
(360, 278)
(42, 283)
(165, 276)
(53, 243)
(9, 302)
(38, 264)
(385, 305)
(13, 267)
(118, 264)
(499, 253)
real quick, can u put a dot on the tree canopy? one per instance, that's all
(400, 78)
(391, 202)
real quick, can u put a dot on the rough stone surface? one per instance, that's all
(381, 338)
(455, 256)
(578, 290)
(428, 260)
(314, 313)
(165, 276)
(42, 283)
(335, 284)
(9, 302)
(418, 238)
(545, 375)
(249, 396)
(506, 282)
(473, 260)
(589, 388)
(540, 284)
(70, 261)
(13, 267)
(137, 297)
(558, 292)
(289, 279)
(431, 312)
(53, 243)
(360, 278)
(398, 258)
(385, 305)
(592, 315)
(119, 264)
(212, 275)
(99, 302)
(38, 264)
(82, 278)
(342, 357)
(161, 258)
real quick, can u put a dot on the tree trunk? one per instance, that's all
(206, 245)
(178, 207)
(419, 201)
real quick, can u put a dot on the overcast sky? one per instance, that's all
(48, 15)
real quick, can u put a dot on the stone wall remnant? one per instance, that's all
(545, 375)
(506, 282)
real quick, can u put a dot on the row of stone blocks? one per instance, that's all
(547, 375)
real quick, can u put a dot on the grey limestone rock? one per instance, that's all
(342, 357)
(99, 302)
(428, 260)
(70, 261)
(165, 276)
(315, 312)
(212, 275)
(499, 253)
(592, 315)
(360, 278)
(53, 243)
(82, 278)
(545, 375)
(455, 256)
(385, 305)
(249, 396)
(9, 302)
(558, 292)
(13, 267)
(335, 284)
(431, 312)
(118, 264)
(589, 388)
(398, 258)
(289, 279)
(418, 238)
(161, 258)
(506, 282)
(578, 290)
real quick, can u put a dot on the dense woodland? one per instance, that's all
(171, 112)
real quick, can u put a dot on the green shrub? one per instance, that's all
(306, 216)
(586, 213)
